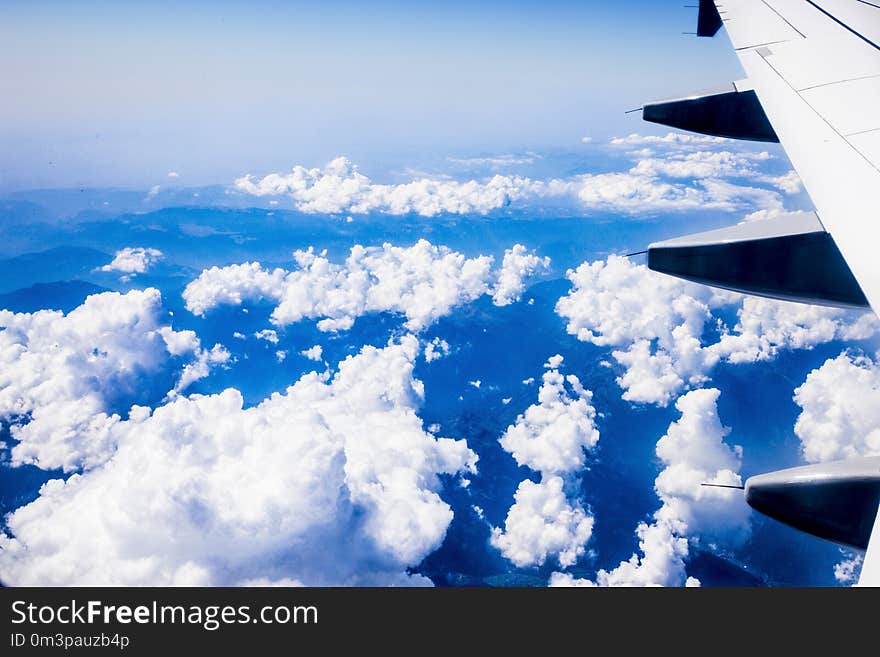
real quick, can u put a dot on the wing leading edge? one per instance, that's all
(813, 84)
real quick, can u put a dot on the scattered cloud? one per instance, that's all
(653, 322)
(134, 260)
(551, 437)
(693, 451)
(847, 571)
(840, 409)
(543, 522)
(518, 265)
(765, 327)
(760, 215)
(423, 282)
(639, 194)
(567, 580)
(269, 335)
(231, 285)
(436, 349)
(657, 325)
(314, 353)
(173, 174)
(333, 481)
(554, 435)
(702, 164)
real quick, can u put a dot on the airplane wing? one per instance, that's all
(813, 84)
(815, 67)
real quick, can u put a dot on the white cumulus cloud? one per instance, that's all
(333, 481)
(840, 409)
(655, 325)
(495, 161)
(693, 452)
(232, 285)
(518, 265)
(543, 522)
(313, 353)
(646, 193)
(134, 260)
(702, 164)
(766, 326)
(551, 437)
(205, 360)
(554, 435)
(269, 335)
(340, 188)
(60, 373)
(422, 282)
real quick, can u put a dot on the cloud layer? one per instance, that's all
(653, 184)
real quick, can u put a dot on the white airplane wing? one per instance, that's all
(813, 84)
(815, 67)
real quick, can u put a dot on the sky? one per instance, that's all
(102, 94)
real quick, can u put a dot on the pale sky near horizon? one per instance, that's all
(109, 94)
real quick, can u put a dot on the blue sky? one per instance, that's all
(110, 94)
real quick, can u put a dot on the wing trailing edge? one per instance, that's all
(789, 257)
(734, 113)
(836, 501)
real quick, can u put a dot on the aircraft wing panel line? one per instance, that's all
(811, 89)
(820, 115)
